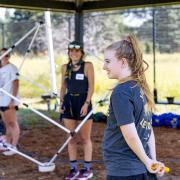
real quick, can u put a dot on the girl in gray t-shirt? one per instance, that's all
(129, 143)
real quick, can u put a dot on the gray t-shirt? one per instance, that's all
(127, 105)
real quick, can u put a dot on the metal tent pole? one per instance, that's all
(50, 50)
(20, 40)
(154, 54)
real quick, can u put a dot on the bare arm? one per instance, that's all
(152, 149)
(90, 76)
(89, 71)
(132, 139)
(152, 145)
(63, 83)
(15, 89)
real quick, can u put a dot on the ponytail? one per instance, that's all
(138, 71)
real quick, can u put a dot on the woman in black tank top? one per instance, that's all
(77, 87)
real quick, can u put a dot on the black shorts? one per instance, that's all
(145, 176)
(73, 104)
(5, 108)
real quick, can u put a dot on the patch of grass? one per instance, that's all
(27, 118)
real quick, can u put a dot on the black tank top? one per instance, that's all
(78, 83)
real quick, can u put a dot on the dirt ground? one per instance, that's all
(43, 143)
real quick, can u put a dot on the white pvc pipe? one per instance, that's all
(60, 150)
(50, 51)
(77, 129)
(18, 42)
(37, 112)
(53, 94)
(29, 47)
(25, 54)
(20, 153)
(90, 113)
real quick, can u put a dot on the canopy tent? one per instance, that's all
(82, 5)
(79, 7)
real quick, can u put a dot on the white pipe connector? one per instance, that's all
(46, 167)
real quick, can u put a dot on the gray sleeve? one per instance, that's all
(123, 108)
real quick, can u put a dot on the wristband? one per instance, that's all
(87, 102)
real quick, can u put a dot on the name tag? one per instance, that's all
(80, 76)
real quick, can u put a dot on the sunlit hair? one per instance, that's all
(129, 49)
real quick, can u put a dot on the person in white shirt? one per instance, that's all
(8, 106)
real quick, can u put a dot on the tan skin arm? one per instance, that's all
(132, 139)
(89, 73)
(152, 145)
(63, 85)
(15, 87)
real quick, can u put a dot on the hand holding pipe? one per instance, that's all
(155, 166)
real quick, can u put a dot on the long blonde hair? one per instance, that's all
(129, 48)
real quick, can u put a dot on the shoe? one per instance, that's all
(72, 174)
(2, 148)
(2, 140)
(84, 174)
(8, 152)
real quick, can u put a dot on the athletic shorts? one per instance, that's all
(145, 176)
(73, 104)
(5, 108)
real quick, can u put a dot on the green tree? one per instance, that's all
(167, 30)
(102, 29)
(21, 21)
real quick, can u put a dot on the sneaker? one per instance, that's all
(2, 148)
(3, 138)
(84, 174)
(8, 152)
(2, 141)
(72, 174)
